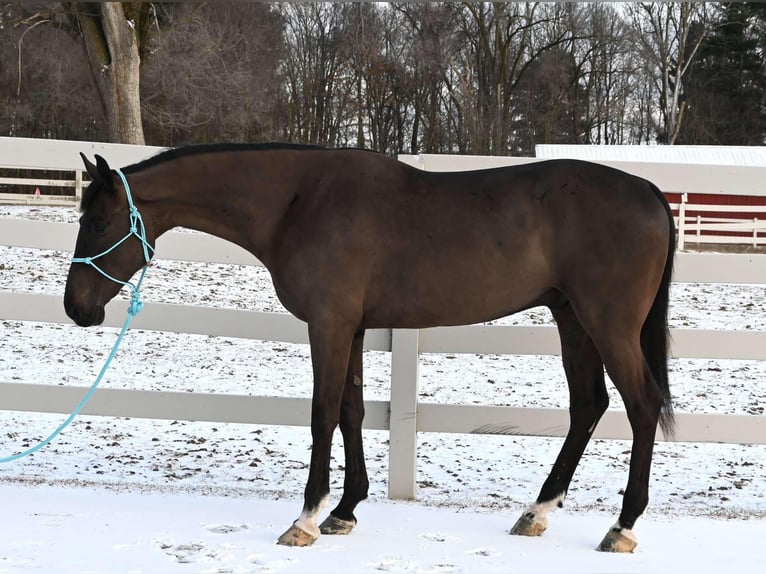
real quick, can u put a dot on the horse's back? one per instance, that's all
(554, 209)
(424, 248)
(566, 207)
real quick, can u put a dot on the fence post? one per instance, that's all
(755, 232)
(77, 185)
(402, 436)
(681, 221)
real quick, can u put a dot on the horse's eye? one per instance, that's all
(97, 227)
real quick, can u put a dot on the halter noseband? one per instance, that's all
(137, 230)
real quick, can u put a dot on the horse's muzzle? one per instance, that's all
(82, 318)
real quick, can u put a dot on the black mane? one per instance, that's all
(178, 152)
(193, 149)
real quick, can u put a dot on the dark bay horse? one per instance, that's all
(355, 240)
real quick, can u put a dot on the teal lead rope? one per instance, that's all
(138, 230)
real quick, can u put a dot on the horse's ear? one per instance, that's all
(105, 172)
(100, 171)
(90, 167)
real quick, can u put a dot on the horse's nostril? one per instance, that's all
(72, 312)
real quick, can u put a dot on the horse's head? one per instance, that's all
(109, 248)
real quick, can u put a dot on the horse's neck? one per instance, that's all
(228, 205)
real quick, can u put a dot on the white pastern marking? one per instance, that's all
(307, 521)
(541, 509)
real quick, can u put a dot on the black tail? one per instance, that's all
(655, 335)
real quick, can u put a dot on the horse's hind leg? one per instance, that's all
(588, 400)
(625, 363)
(342, 520)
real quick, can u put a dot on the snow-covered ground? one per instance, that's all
(199, 497)
(65, 530)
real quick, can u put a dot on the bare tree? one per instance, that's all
(319, 84)
(664, 37)
(45, 91)
(213, 74)
(551, 101)
(429, 33)
(500, 44)
(612, 73)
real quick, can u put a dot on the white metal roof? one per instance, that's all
(690, 154)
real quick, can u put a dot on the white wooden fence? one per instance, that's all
(63, 156)
(403, 415)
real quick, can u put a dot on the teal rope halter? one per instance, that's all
(138, 230)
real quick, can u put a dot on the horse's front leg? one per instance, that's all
(330, 350)
(355, 486)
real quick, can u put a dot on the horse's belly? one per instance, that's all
(451, 301)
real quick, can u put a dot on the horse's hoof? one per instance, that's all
(530, 525)
(334, 525)
(295, 536)
(618, 540)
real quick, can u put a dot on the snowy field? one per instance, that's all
(122, 495)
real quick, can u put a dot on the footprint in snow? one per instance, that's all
(438, 537)
(388, 564)
(188, 553)
(226, 528)
(479, 552)
(262, 564)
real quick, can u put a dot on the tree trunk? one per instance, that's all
(111, 40)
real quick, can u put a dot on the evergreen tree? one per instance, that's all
(726, 88)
